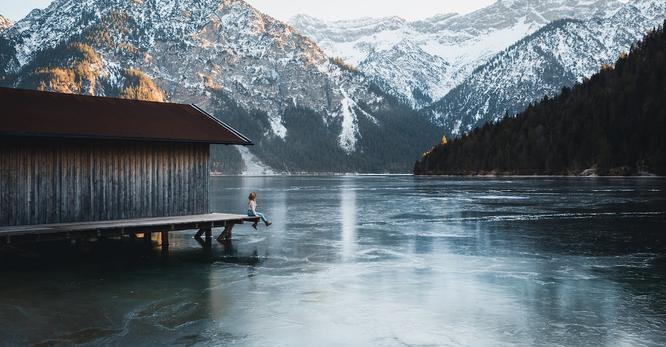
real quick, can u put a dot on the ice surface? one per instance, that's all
(374, 260)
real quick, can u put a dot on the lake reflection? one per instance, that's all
(348, 221)
(387, 261)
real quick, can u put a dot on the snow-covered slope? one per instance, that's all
(442, 50)
(255, 72)
(421, 74)
(5, 23)
(558, 55)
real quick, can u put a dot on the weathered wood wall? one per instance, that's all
(56, 181)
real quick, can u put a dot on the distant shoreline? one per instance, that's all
(310, 174)
(542, 176)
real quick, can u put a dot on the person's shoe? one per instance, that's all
(254, 226)
(268, 224)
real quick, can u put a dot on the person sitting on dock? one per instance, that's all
(252, 210)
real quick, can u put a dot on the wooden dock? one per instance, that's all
(203, 223)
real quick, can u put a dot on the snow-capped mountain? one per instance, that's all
(305, 111)
(422, 74)
(5, 23)
(442, 50)
(558, 55)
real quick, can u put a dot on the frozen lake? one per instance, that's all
(371, 260)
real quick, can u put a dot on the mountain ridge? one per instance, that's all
(560, 54)
(463, 42)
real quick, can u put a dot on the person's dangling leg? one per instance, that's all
(251, 213)
(263, 219)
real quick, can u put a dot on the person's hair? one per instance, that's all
(253, 196)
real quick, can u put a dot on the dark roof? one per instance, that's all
(35, 113)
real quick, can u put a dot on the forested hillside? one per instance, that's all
(612, 124)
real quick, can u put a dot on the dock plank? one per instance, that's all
(138, 224)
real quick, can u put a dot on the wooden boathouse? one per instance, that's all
(79, 166)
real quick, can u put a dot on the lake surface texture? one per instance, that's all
(386, 261)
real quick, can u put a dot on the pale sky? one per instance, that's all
(349, 9)
(331, 10)
(17, 9)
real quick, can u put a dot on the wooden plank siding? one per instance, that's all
(61, 181)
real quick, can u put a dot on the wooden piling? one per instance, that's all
(148, 239)
(165, 240)
(226, 233)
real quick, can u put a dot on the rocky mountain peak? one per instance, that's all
(156, 19)
(345, 30)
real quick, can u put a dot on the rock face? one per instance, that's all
(561, 54)
(5, 23)
(419, 62)
(305, 111)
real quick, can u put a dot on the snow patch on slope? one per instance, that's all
(350, 134)
(253, 165)
(276, 125)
